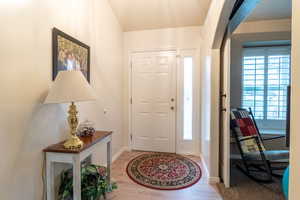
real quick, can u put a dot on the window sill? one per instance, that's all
(277, 132)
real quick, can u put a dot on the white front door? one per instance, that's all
(153, 101)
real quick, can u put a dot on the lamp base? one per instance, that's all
(73, 143)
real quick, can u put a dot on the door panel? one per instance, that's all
(153, 87)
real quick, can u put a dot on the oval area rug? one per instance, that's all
(163, 171)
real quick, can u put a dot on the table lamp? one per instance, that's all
(70, 87)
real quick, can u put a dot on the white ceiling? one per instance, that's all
(272, 9)
(154, 14)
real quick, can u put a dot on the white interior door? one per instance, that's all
(225, 113)
(153, 101)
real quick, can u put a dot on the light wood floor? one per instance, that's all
(128, 190)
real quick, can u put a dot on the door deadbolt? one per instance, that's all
(172, 108)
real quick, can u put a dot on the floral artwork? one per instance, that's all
(69, 54)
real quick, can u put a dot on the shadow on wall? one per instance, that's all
(46, 125)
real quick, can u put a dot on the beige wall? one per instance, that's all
(152, 40)
(26, 125)
(206, 90)
(264, 26)
(294, 191)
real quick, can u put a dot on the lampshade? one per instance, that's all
(70, 86)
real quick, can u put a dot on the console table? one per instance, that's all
(57, 153)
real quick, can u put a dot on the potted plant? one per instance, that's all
(93, 183)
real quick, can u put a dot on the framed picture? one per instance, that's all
(69, 54)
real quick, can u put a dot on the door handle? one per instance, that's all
(223, 95)
(223, 110)
(172, 108)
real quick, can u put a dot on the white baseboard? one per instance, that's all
(117, 155)
(187, 153)
(204, 165)
(211, 179)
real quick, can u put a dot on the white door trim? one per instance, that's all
(191, 147)
(225, 115)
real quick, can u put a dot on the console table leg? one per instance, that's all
(76, 179)
(50, 179)
(109, 153)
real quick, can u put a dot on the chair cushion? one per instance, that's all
(250, 145)
(270, 155)
(243, 126)
(247, 127)
(243, 123)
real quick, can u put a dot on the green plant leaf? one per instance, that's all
(93, 183)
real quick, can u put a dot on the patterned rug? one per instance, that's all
(163, 171)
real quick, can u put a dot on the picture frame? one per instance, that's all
(69, 53)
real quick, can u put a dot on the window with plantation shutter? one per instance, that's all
(266, 75)
(253, 84)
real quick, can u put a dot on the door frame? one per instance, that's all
(177, 51)
(225, 67)
(238, 13)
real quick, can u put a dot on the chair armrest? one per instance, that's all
(248, 138)
(274, 138)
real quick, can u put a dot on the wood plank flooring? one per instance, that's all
(128, 190)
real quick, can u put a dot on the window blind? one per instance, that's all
(266, 75)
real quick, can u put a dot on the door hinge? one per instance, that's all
(131, 137)
(130, 100)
